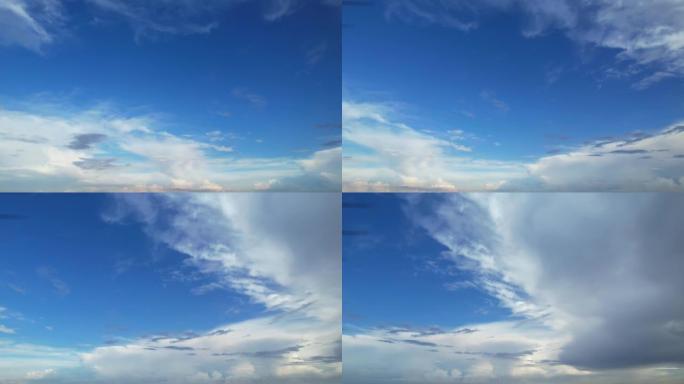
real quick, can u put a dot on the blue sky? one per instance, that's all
(512, 95)
(494, 287)
(248, 93)
(381, 240)
(100, 287)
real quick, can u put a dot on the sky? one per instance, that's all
(123, 95)
(513, 287)
(513, 95)
(173, 288)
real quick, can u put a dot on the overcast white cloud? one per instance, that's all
(383, 154)
(99, 149)
(591, 280)
(648, 37)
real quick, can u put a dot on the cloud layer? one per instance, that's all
(383, 154)
(591, 282)
(279, 251)
(100, 150)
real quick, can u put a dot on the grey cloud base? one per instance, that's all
(592, 283)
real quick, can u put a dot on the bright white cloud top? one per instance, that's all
(277, 254)
(590, 284)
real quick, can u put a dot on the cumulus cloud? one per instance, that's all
(591, 282)
(264, 350)
(250, 244)
(647, 37)
(642, 162)
(383, 154)
(98, 149)
(516, 352)
(280, 251)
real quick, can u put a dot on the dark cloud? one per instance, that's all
(332, 143)
(607, 264)
(178, 348)
(420, 343)
(95, 164)
(86, 140)
(629, 151)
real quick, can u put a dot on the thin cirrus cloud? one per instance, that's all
(36, 24)
(97, 149)
(381, 153)
(572, 296)
(646, 37)
(246, 245)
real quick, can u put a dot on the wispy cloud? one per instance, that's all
(646, 37)
(30, 24)
(36, 24)
(51, 276)
(491, 98)
(251, 97)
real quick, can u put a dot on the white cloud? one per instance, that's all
(251, 245)
(480, 353)
(49, 151)
(255, 351)
(581, 271)
(30, 24)
(382, 154)
(33, 375)
(281, 251)
(20, 361)
(6, 330)
(648, 162)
